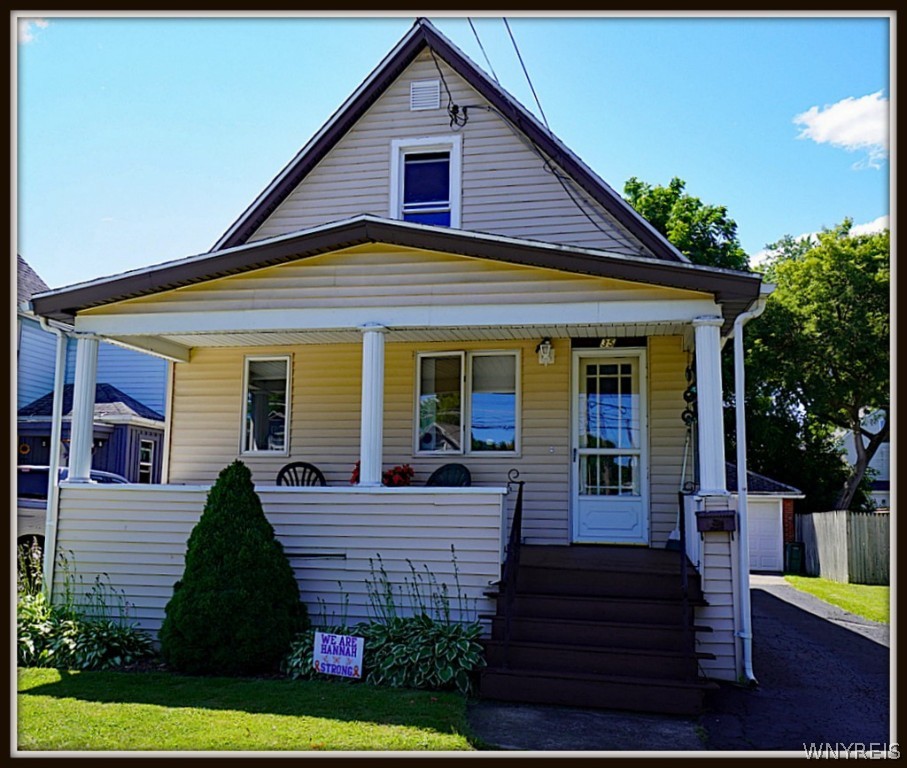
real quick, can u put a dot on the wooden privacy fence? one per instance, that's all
(846, 546)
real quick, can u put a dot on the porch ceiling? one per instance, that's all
(489, 333)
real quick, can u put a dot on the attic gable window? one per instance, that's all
(425, 180)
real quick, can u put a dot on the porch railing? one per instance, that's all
(684, 576)
(512, 561)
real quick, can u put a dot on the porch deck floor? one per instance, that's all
(604, 557)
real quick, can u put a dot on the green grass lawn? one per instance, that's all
(59, 710)
(870, 602)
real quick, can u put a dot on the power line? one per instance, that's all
(482, 48)
(525, 72)
(457, 117)
(547, 164)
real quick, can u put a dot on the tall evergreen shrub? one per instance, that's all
(237, 607)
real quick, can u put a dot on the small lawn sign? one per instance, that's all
(338, 654)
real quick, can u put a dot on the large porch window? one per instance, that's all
(467, 402)
(266, 384)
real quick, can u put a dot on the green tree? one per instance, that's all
(821, 349)
(236, 609)
(703, 233)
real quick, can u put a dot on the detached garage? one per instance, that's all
(766, 502)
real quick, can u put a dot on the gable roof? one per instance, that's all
(759, 484)
(108, 401)
(736, 291)
(424, 35)
(28, 282)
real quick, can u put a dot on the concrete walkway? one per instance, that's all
(822, 674)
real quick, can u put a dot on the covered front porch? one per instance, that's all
(391, 343)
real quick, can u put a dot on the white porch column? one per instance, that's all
(709, 400)
(371, 433)
(81, 434)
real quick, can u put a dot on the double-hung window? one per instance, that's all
(425, 180)
(266, 405)
(467, 402)
(146, 460)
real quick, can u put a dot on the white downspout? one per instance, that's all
(53, 470)
(743, 545)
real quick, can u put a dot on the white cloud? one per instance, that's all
(27, 28)
(852, 124)
(876, 225)
(873, 226)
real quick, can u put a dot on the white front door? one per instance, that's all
(610, 441)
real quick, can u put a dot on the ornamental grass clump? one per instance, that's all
(84, 628)
(237, 607)
(416, 639)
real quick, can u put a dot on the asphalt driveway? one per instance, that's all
(823, 677)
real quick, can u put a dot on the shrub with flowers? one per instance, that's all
(398, 476)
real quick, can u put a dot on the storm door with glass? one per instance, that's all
(610, 474)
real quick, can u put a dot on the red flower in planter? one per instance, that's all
(397, 476)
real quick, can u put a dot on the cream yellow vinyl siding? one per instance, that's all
(505, 187)
(667, 363)
(718, 585)
(378, 275)
(324, 423)
(136, 536)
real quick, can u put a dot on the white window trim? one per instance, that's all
(148, 464)
(466, 358)
(288, 359)
(517, 401)
(418, 400)
(402, 147)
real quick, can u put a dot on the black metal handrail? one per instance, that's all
(512, 559)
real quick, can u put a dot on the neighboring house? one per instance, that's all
(128, 427)
(410, 266)
(35, 347)
(879, 467)
(771, 519)
(140, 376)
(127, 435)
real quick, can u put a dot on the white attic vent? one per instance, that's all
(424, 94)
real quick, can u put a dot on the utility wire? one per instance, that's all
(525, 72)
(457, 117)
(549, 166)
(482, 48)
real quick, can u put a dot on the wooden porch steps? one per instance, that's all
(598, 627)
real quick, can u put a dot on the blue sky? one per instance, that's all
(140, 140)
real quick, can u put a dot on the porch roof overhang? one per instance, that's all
(734, 291)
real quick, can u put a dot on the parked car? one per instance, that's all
(31, 490)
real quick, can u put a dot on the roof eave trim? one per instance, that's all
(348, 112)
(725, 284)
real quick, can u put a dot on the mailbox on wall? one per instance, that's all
(716, 520)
